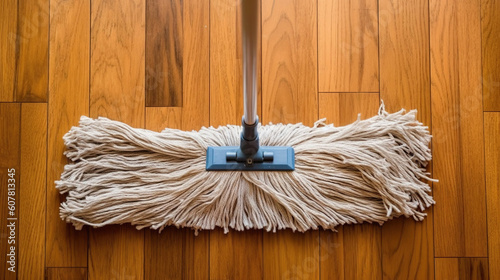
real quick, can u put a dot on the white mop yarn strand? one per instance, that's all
(369, 171)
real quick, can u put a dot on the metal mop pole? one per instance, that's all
(249, 144)
(250, 29)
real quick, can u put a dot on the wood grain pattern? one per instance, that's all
(116, 252)
(348, 46)
(196, 65)
(329, 107)
(32, 51)
(117, 92)
(407, 249)
(291, 255)
(173, 253)
(117, 60)
(363, 259)
(8, 30)
(404, 56)
(226, 82)
(231, 250)
(10, 127)
(159, 118)
(68, 100)
(343, 108)
(10, 133)
(462, 268)
(490, 32)
(244, 247)
(405, 83)
(360, 244)
(447, 268)
(24, 52)
(492, 164)
(66, 273)
(177, 253)
(289, 95)
(32, 191)
(289, 62)
(164, 53)
(331, 254)
(457, 119)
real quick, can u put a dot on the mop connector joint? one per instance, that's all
(250, 156)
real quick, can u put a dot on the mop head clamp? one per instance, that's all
(250, 156)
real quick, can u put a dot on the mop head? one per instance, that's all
(369, 171)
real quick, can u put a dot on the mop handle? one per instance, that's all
(250, 10)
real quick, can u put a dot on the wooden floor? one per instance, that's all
(156, 63)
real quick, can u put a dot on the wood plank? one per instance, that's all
(196, 65)
(473, 268)
(230, 251)
(291, 255)
(343, 108)
(331, 255)
(245, 249)
(174, 253)
(68, 100)
(362, 259)
(289, 62)
(447, 268)
(159, 118)
(195, 109)
(462, 268)
(117, 61)
(457, 120)
(116, 252)
(177, 253)
(164, 53)
(8, 30)
(226, 82)
(32, 47)
(32, 191)
(10, 132)
(404, 56)
(492, 163)
(407, 249)
(490, 32)
(66, 273)
(331, 259)
(10, 126)
(289, 95)
(405, 83)
(329, 107)
(348, 46)
(117, 92)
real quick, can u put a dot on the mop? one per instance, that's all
(253, 176)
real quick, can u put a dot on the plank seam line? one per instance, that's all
(18, 193)
(88, 111)
(430, 120)
(66, 267)
(379, 98)
(484, 139)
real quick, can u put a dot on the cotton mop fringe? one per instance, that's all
(369, 171)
